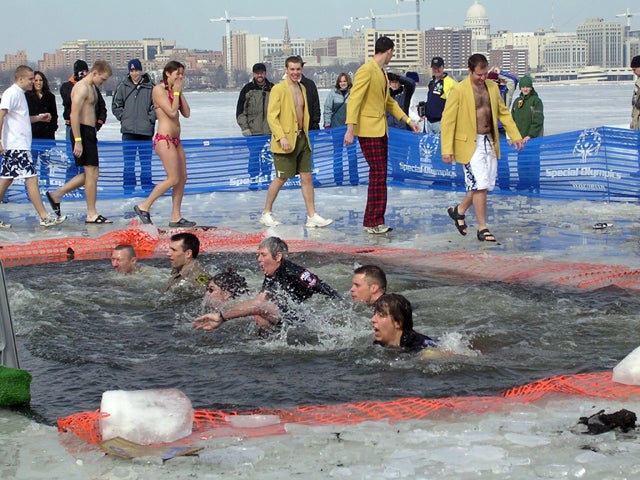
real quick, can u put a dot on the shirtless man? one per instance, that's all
(169, 102)
(469, 135)
(84, 97)
(288, 117)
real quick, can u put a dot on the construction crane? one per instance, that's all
(227, 19)
(628, 14)
(373, 17)
(417, 10)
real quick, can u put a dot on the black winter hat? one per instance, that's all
(80, 66)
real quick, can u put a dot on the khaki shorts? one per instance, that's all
(288, 165)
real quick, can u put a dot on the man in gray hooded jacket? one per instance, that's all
(133, 107)
(251, 115)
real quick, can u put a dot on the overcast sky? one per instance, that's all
(39, 26)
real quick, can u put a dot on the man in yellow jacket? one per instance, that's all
(288, 117)
(469, 135)
(366, 119)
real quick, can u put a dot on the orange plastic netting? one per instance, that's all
(217, 423)
(479, 266)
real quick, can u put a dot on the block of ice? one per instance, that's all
(628, 370)
(146, 416)
(252, 421)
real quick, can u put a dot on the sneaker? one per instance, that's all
(378, 229)
(52, 220)
(318, 221)
(4, 225)
(268, 221)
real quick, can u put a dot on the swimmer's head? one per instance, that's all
(271, 252)
(368, 284)
(397, 307)
(229, 281)
(123, 259)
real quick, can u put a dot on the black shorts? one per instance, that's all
(89, 157)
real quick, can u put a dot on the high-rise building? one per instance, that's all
(512, 60)
(605, 40)
(408, 52)
(453, 45)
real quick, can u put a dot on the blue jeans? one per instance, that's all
(141, 145)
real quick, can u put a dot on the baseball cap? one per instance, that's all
(437, 62)
(134, 64)
(259, 67)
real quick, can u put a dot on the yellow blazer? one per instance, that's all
(281, 115)
(458, 127)
(368, 102)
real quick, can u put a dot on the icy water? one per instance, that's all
(78, 343)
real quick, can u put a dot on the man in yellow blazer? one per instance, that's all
(366, 119)
(469, 135)
(288, 117)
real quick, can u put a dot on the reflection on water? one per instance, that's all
(83, 330)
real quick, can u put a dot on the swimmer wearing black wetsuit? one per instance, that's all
(297, 284)
(412, 341)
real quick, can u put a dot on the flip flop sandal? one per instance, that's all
(144, 216)
(484, 233)
(453, 213)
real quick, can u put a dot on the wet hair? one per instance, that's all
(398, 307)
(293, 59)
(275, 246)
(231, 281)
(45, 82)
(477, 60)
(22, 71)
(383, 44)
(131, 253)
(374, 275)
(169, 68)
(340, 77)
(189, 242)
(102, 66)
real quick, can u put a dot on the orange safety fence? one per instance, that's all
(467, 266)
(217, 423)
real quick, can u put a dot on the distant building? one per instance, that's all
(453, 45)
(408, 52)
(11, 62)
(605, 41)
(478, 22)
(512, 60)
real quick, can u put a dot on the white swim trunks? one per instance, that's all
(481, 171)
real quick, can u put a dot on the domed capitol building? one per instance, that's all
(478, 22)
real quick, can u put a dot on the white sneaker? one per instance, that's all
(378, 229)
(318, 221)
(4, 225)
(268, 221)
(52, 220)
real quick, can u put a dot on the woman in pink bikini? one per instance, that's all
(169, 104)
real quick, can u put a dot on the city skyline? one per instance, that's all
(191, 27)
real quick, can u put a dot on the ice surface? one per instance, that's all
(146, 416)
(628, 370)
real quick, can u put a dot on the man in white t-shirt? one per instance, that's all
(15, 144)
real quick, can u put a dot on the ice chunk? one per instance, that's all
(146, 416)
(252, 421)
(628, 370)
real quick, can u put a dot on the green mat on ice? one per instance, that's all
(15, 387)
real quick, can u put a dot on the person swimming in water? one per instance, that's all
(284, 283)
(392, 323)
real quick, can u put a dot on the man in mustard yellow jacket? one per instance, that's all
(366, 119)
(469, 135)
(288, 117)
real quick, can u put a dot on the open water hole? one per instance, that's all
(82, 330)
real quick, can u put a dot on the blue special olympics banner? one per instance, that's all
(596, 164)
